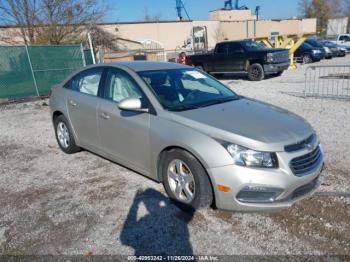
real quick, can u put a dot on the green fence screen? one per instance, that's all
(33, 70)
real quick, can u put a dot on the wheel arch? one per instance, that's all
(162, 155)
(254, 61)
(56, 114)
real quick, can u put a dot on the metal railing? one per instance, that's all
(328, 81)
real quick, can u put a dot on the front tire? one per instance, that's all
(185, 181)
(64, 135)
(256, 72)
(307, 59)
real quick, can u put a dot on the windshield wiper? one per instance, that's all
(218, 101)
(183, 108)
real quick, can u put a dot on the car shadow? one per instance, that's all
(156, 227)
(240, 76)
(232, 76)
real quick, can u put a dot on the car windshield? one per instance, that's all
(186, 89)
(252, 45)
(307, 46)
(329, 44)
(314, 43)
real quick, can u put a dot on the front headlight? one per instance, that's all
(246, 157)
(269, 57)
(316, 51)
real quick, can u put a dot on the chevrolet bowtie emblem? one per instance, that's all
(309, 147)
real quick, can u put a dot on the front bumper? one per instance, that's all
(276, 68)
(318, 56)
(290, 187)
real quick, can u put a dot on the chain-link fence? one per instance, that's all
(332, 81)
(32, 70)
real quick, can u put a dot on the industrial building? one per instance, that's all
(229, 23)
(222, 25)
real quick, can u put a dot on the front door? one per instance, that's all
(124, 134)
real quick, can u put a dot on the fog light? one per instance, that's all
(258, 194)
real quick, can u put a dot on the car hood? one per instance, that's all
(249, 123)
(269, 50)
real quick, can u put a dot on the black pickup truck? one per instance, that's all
(242, 56)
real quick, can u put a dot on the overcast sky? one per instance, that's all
(133, 10)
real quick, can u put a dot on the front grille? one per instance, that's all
(306, 163)
(280, 57)
(305, 189)
(300, 145)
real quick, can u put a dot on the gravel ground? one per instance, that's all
(52, 203)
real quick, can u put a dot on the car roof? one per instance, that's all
(149, 65)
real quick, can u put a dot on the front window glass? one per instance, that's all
(221, 49)
(185, 89)
(252, 45)
(119, 86)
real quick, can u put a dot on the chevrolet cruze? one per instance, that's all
(181, 127)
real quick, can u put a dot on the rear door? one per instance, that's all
(82, 103)
(236, 57)
(124, 134)
(230, 57)
(220, 57)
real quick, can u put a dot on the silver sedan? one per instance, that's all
(181, 127)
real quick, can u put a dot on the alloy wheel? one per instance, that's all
(63, 135)
(181, 181)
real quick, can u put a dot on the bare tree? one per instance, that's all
(103, 38)
(147, 17)
(51, 21)
(22, 14)
(335, 8)
(305, 8)
(318, 9)
(346, 12)
(219, 35)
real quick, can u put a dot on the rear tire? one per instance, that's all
(186, 181)
(199, 67)
(256, 72)
(219, 75)
(64, 135)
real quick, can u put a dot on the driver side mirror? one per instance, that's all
(132, 104)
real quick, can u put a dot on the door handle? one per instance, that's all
(105, 116)
(72, 103)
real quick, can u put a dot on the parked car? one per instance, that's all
(309, 54)
(315, 43)
(336, 49)
(243, 56)
(180, 126)
(343, 39)
(346, 48)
